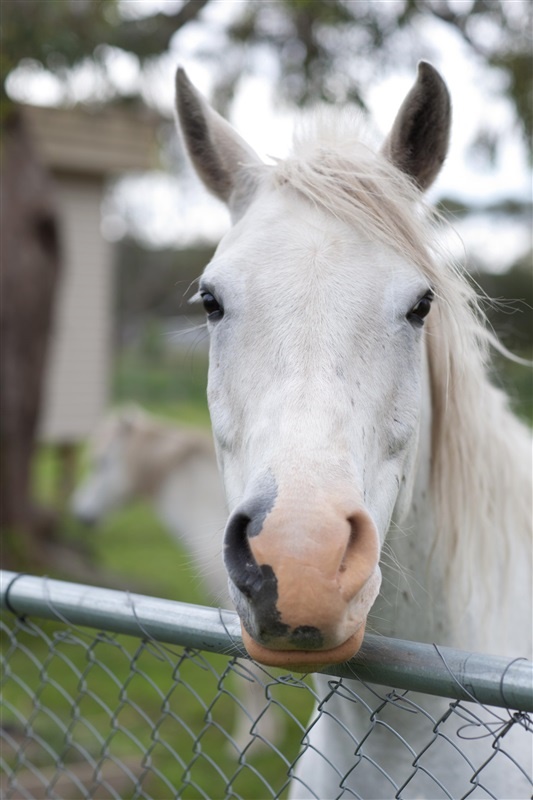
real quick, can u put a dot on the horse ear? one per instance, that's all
(130, 417)
(220, 156)
(418, 141)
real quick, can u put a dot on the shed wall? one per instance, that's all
(76, 385)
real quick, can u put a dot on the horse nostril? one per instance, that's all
(240, 563)
(361, 553)
(246, 523)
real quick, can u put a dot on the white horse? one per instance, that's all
(376, 479)
(134, 455)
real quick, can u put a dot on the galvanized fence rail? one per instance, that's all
(114, 694)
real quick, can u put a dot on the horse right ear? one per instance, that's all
(129, 417)
(418, 141)
(222, 159)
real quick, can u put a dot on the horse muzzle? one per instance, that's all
(303, 575)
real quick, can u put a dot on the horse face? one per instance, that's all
(108, 484)
(315, 393)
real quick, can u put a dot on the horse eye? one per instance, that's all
(420, 311)
(212, 307)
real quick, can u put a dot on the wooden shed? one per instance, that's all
(83, 149)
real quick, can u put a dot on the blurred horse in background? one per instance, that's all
(134, 455)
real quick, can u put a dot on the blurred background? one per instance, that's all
(105, 230)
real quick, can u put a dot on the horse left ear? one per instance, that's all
(226, 164)
(418, 141)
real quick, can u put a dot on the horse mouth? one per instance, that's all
(303, 660)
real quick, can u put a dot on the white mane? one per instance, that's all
(481, 452)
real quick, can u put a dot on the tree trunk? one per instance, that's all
(29, 271)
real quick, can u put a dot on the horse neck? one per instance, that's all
(412, 579)
(471, 589)
(190, 502)
(483, 490)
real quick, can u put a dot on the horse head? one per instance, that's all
(127, 451)
(316, 301)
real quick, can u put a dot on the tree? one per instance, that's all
(58, 35)
(29, 270)
(331, 50)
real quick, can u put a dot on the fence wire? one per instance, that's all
(98, 714)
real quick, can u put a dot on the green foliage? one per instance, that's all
(156, 282)
(517, 381)
(152, 345)
(329, 50)
(55, 34)
(325, 50)
(59, 35)
(511, 304)
(174, 385)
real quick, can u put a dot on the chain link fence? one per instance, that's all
(112, 695)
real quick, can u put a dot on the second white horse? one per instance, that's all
(134, 455)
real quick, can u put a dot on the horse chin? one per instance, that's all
(303, 660)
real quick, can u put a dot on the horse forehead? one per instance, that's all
(285, 241)
(280, 220)
(109, 440)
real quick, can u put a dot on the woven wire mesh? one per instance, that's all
(95, 715)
